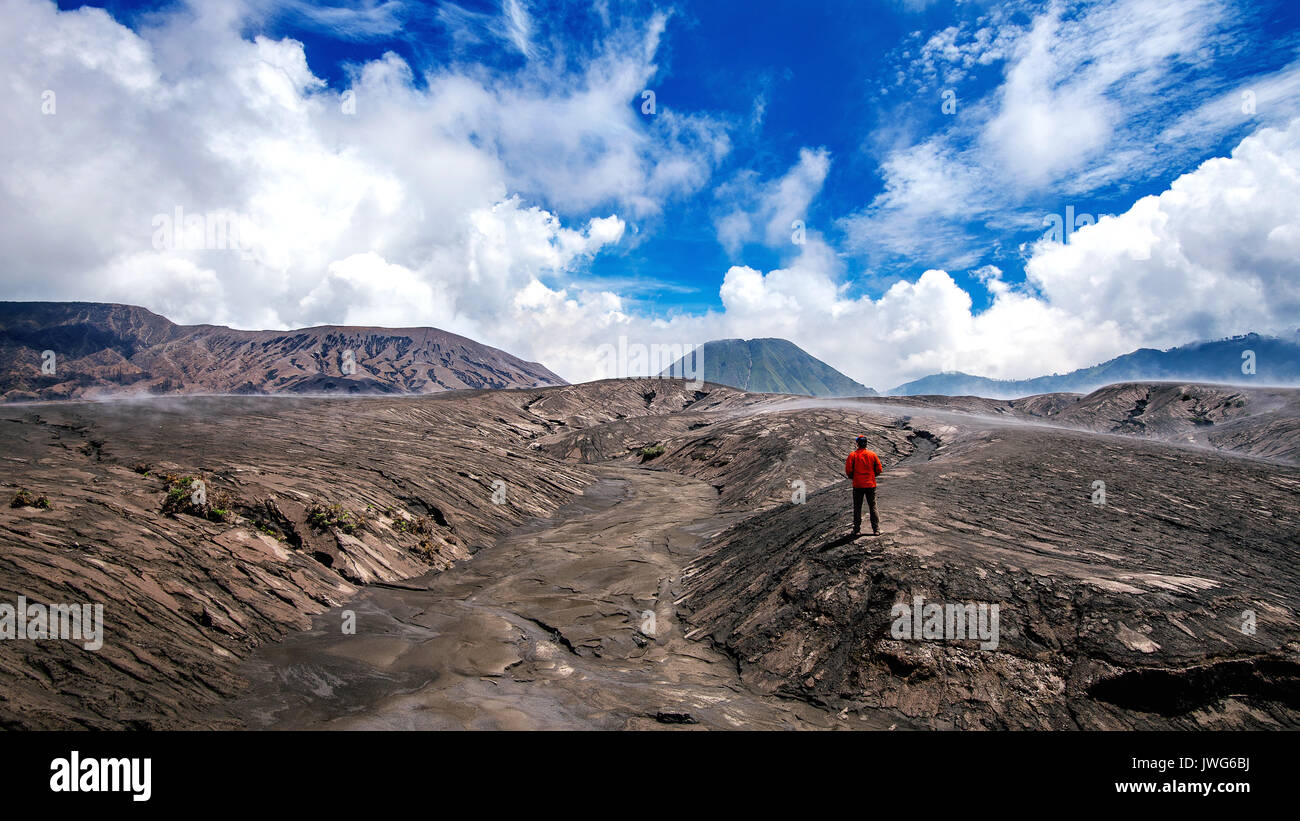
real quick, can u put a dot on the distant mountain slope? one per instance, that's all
(768, 366)
(104, 349)
(1277, 362)
(1259, 421)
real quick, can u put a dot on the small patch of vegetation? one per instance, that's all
(426, 548)
(213, 504)
(650, 452)
(270, 531)
(179, 497)
(418, 525)
(25, 498)
(332, 517)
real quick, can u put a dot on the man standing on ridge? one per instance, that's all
(863, 466)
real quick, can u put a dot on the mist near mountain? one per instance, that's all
(767, 366)
(1250, 359)
(70, 350)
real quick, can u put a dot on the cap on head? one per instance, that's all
(862, 440)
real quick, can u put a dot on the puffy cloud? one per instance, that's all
(397, 199)
(1212, 256)
(1078, 85)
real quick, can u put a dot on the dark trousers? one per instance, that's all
(869, 493)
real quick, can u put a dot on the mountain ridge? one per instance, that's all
(1276, 360)
(104, 349)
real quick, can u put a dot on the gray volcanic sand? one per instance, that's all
(185, 598)
(626, 496)
(543, 630)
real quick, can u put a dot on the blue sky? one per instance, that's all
(840, 75)
(679, 221)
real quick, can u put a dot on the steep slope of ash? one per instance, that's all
(1173, 605)
(303, 500)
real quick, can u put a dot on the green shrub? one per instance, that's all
(180, 499)
(418, 525)
(651, 451)
(332, 517)
(25, 498)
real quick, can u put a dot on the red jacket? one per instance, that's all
(862, 467)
